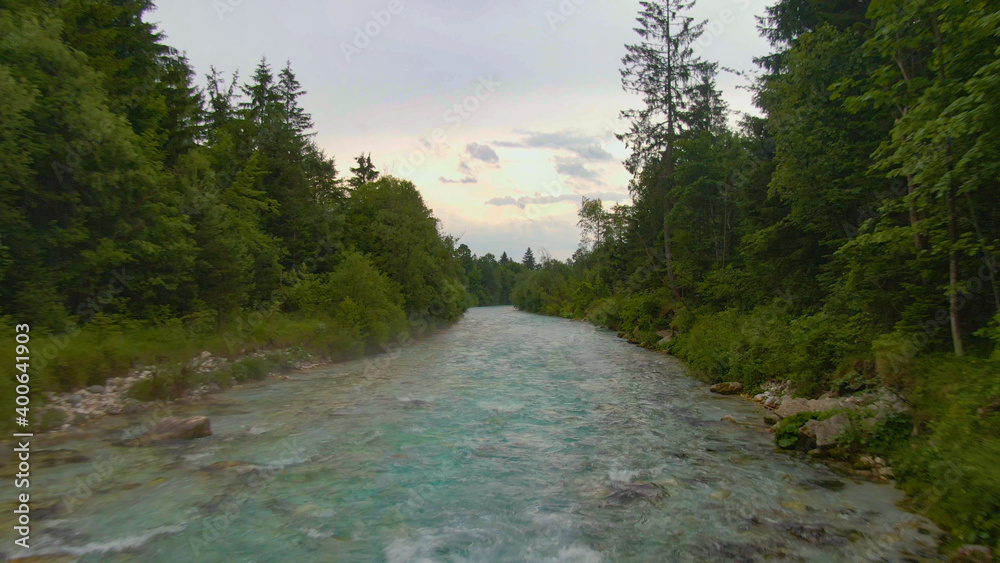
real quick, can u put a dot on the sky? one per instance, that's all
(502, 113)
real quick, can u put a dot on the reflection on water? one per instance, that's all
(509, 437)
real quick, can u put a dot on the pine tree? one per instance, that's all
(364, 172)
(665, 71)
(288, 93)
(529, 260)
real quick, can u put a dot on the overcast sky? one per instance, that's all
(502, 113)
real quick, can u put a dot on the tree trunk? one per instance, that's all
(956, 329)
(668, 206)
(953, 255)
(917, 239)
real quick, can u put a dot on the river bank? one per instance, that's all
(507, 436)
(933, 430)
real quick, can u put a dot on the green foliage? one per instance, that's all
(165, 384)
(768, 344)
(888, 434)
(250, 369)
(147, 220)
(787, 434)
(388, 221)
(606, 312)
(363, 300)
(949, 467)
(837, 242)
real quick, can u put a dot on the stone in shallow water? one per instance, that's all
(815, 534)
(729, 388)
(238, 467)
(626, 494)
(828, 484)
(172, 428)
(53, 458)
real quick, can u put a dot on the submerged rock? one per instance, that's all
(728, 388)
(626, 494)
(239, 467)
(175, 429)
(815, 534)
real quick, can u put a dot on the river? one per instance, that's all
(507, 437)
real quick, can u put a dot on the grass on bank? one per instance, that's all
(108, 347)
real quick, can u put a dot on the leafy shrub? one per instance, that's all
(364, 302)
(787, 434)
(710, 346)
(606, 313)
(767, 343)
(888, 434)
(250, 369)
(949, 467)
(894, 354)
(164, 384)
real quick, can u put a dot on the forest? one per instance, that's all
(144, 218)
(846, 240)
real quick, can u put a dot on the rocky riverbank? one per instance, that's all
(827, 427)
(64, 411)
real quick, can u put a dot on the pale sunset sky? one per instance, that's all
(502, 113)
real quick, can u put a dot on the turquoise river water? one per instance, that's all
(507, 437)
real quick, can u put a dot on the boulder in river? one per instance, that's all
(173, 428)
(728, 388)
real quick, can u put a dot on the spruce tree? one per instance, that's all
(529, 259)
(364, 172)
(664, 69)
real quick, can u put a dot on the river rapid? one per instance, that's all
(507, 437)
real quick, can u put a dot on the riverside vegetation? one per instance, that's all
(144, 220)
(844, 242)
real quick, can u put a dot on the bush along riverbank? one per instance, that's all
(927, 419)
